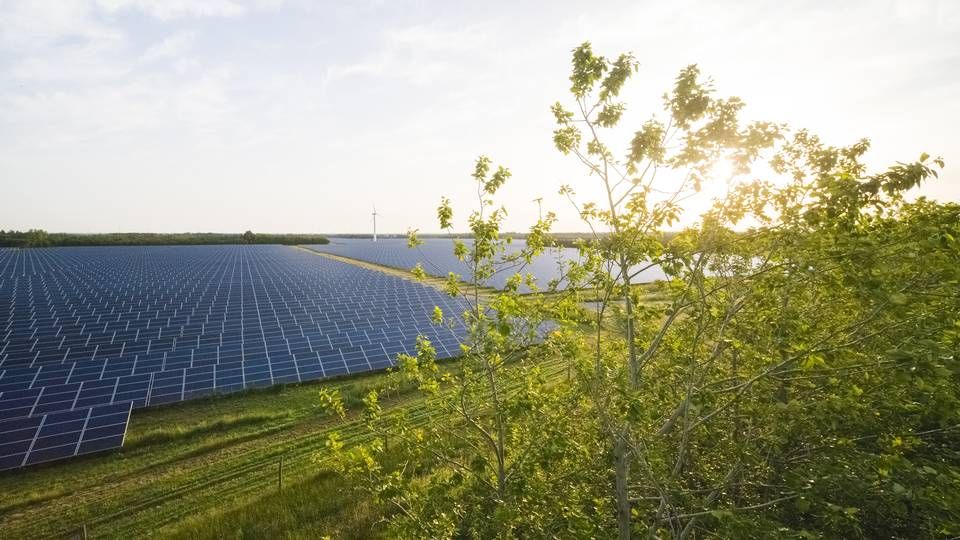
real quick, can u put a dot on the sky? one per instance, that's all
(300, 116)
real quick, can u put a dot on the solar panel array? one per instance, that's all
(86, 328)
(437, 258)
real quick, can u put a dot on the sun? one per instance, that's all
(722, 172)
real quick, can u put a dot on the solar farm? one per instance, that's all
(437, 259)
(90, 335)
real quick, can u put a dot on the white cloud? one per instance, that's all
(370, 67)
(27, 25)
(172, 46)
(434, 37)
(174, 9)
(421, 54)
(56, 43)
(81, 65)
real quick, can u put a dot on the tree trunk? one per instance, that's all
(621, 457)
(622, 468)
(634, 361)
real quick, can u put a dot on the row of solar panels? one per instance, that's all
(186, 348)
(117, 323)
(69, 326)
(48, 346)
(18, 378)
(134, 316)
(162, 293)
(49, 437)
(77, 317)
(44, 306)
(166, 309)
(343, 323)
(163, 299)
(157, 341)
(112, 260)
(156, 328)
(335, 319)
(204, 333)
(160, 387)
(106, 311)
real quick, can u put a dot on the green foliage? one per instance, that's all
(716, 409)
(332, 402)
(37, 238)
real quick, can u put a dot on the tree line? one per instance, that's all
(41, 238)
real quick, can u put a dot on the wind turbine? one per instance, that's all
(539, 200)
(374, 223)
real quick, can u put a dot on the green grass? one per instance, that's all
(322, 505)
(319, 506)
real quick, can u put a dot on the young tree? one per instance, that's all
(491, 409)
(666, 163)
(684, 401)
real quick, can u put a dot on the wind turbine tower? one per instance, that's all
(374, 223)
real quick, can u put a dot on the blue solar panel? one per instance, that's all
(84, 328)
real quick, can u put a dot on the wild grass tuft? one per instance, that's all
(167, 434)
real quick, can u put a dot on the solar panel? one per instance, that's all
(87, 328)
